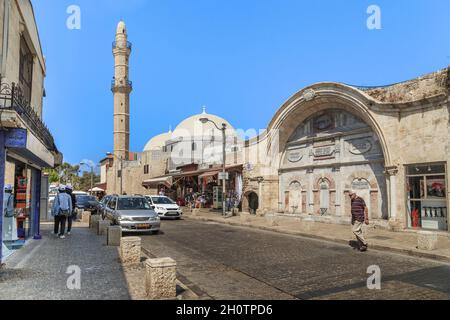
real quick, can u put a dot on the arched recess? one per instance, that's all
(316, 98)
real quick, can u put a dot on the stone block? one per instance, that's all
(272, 221)
(93, 224)
(160, 278)
(130, 250)
(427, 240)
(245, 217)
(86, 217)
(103, 227)
(113, 236)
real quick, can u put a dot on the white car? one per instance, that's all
(165, 207)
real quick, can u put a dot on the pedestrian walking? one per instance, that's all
(62, 208)
(73, 215)
(360, 216)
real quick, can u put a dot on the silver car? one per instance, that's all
(132, 214)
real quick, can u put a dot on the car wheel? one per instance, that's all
(154, 232)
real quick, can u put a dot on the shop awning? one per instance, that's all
(209, 174)
(155, 182)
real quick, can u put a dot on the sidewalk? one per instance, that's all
(38, 271)
(399, 242)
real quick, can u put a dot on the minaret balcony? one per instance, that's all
(121, 84)
(115, 45)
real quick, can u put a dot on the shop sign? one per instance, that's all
(16, 138)
(222, 175)
(360, 146)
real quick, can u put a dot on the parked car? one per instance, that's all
(87, 203)
(102, 206)
(132, 214)
(165, 207)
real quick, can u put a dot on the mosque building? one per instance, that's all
(390, 144)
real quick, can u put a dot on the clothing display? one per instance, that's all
(9, 220)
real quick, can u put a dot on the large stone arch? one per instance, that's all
(314, 99)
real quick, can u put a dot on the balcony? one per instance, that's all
(126, 83)
(12, 98)
(129, 45)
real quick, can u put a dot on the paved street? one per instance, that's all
(224, 262)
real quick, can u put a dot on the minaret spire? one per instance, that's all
(121, 88)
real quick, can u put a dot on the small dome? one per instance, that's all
(157, 142)
(121, 28)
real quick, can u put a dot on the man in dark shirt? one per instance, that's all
(360, 216)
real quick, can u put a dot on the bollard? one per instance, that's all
(94, 221)
(161, 278)
(427, 240)
(113, 236)
(86, 217)
(130, 250)
(103, 227)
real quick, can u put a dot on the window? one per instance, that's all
(119, 173)
(146, 169)
(112, 204)
(194, 146)
(426, 190)
(133, 204)
(26, 62)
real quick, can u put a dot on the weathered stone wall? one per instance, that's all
(21, 22)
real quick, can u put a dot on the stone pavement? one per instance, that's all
(404, 242)
(38, 271)
(241, 263)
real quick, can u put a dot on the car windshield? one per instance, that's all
(132, 204)
(83, 199)
(162, 200)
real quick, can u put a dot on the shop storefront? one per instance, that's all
(427, 196)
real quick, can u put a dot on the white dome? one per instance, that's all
(157, 142)
(193, 127)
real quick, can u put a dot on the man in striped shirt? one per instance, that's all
(360, 216)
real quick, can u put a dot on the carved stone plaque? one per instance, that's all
(360, 146)
(324, 152)
(360, 184)
(295, 155)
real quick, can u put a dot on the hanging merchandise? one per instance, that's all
(415, 218)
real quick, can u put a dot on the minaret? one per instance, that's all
(121, 88)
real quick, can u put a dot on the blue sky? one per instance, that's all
(242, 59)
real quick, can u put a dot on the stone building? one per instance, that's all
(26, 144)
(390, 144)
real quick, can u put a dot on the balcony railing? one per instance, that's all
(115, 83)
(12, 98)
(129, 45)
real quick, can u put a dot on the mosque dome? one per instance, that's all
(158, 142)
(193, 127)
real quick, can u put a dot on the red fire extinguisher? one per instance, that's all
(415, 218)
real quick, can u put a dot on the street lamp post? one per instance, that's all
(121, 169)
(224, 154)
